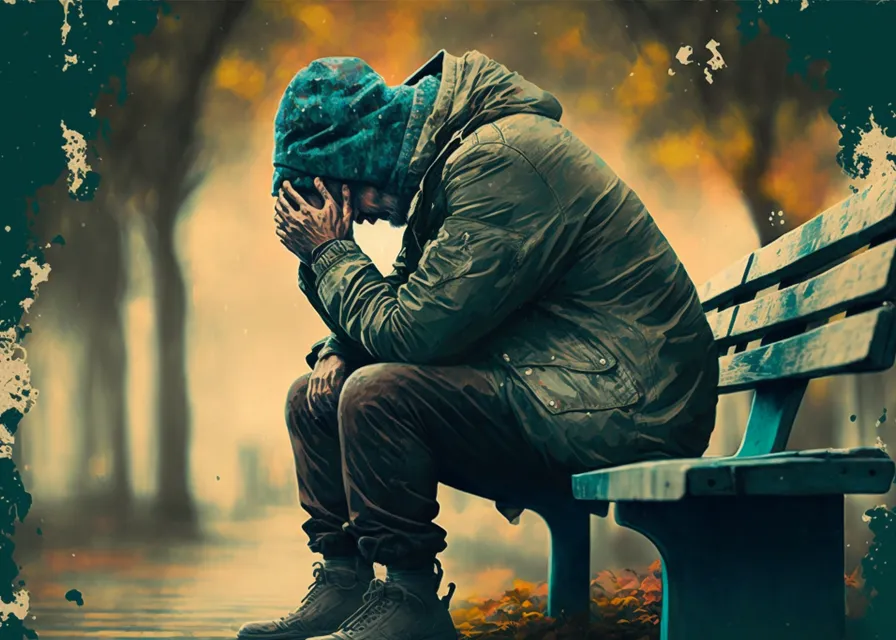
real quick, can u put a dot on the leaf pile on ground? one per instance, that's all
(625, 605)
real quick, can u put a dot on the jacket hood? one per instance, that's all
(474, 91)
(339, 119)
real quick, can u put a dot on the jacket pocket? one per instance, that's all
(579, 377)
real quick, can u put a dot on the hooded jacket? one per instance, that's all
(525, 252)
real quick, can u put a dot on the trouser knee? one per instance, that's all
(372, 402)
(299, 417)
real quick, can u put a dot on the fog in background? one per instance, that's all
(172, 324)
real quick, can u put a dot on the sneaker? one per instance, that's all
(401, 610)
(333, 597)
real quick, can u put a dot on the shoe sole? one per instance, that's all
(284, 636)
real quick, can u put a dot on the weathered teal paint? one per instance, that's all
(38, 95)
(861, 219)
(73, 595)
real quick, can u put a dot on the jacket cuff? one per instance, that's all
(333, 253)
(320, 249)
(312, 358)
(328, 349)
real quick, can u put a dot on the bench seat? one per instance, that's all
(864, 470)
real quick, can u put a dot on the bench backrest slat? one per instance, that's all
(863, 342)
(869, 277)
(836, 233)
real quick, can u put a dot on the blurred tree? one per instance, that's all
(153, 141)
(149, 164)
(754, 108)
(86, 294)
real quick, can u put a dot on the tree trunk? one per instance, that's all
(105, 456)
(93, 277)
(174, 499)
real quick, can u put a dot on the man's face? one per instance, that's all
(368, 203)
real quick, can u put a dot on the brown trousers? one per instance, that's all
(368, 472)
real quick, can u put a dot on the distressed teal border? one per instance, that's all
(855, 38)
(38, 94)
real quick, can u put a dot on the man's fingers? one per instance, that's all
(300, 201)
(311, 395)
(281, 221)
(283, 207)
(324, 192)
(288, 207)
(285, 239)
(346, 204)
(325, 395)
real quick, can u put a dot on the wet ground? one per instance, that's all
(162, 589)
(251, 569)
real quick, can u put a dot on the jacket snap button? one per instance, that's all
(603, 361)
(553, 357)
(528, 372)
(506, 358)
(551, 403)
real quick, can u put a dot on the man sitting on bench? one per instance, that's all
(537, 325)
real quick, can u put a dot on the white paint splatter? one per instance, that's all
(66, 27)
(112, 3)
(93, 113)
(75, 148)
(684, 55)
(804, 5)
(716, 62)
(671, 71)
(9, 1)
(879, 149)
(6, 442)
(70, 59)
(40, 273)
(776, 216)
(18, 607)
(16, 393)
(15, 376)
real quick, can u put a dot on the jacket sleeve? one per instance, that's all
(399, 275)
(337, 343)
(501, 238)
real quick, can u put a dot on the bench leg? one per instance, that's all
(569, 568)
(747, 568)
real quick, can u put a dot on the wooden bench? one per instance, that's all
(753, 544)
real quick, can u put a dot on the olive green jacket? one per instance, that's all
(525, 250)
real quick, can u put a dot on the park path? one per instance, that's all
(252, 569)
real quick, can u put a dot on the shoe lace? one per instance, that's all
(376, 603)
(321, 581)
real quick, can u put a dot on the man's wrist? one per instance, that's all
(331, 254)
(319, 249)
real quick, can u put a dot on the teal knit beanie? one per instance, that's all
(339, 119)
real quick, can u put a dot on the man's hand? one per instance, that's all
(325, 384)
(302, 229)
